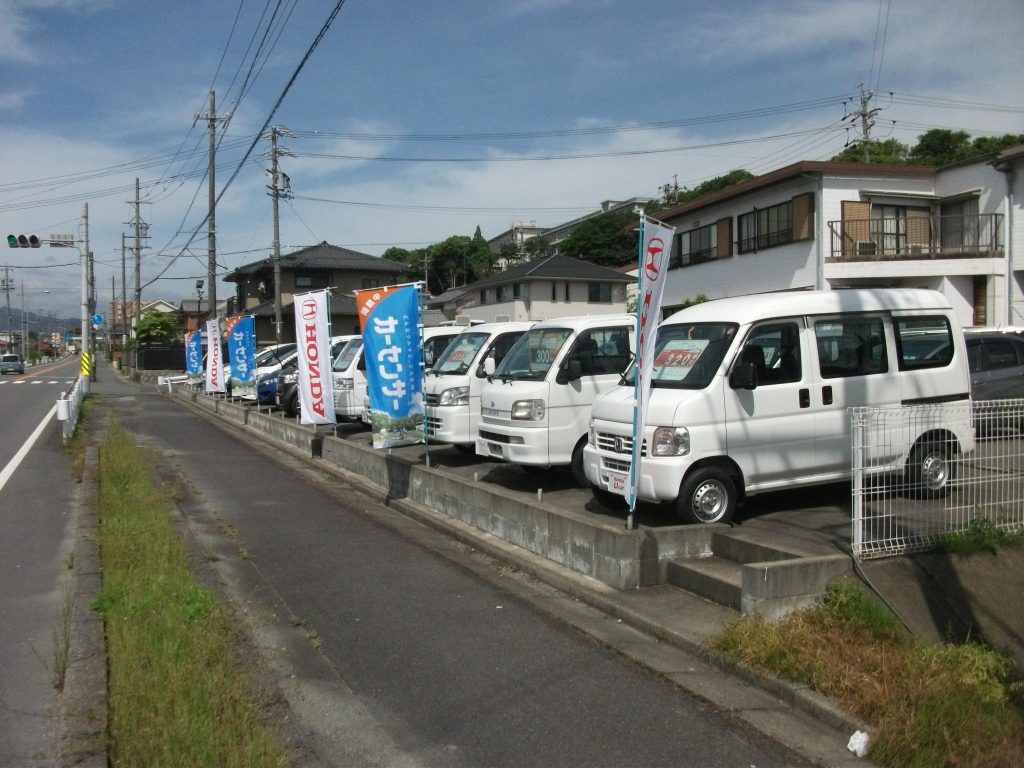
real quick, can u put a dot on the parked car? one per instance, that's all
(11, 363)
(288, 377)
(750, 394)
(996, 361)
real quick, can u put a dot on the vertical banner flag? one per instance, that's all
(194, 356)
(655, 250)
(241, 336)
(214, 363)
(390, 320)
(313, 334)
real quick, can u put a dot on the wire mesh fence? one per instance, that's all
(920, 472)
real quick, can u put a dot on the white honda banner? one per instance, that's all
(313, 335)
(214, 359)
(655, 250)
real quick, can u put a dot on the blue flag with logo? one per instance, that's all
(392, 349)
(194, 356)
(241, 343)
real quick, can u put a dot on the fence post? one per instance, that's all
(858, 418)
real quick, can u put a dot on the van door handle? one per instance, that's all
(826, 395)
(805, 398)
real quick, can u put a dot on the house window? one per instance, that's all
(371, 282)
(696, 246)
(483, 297)
(310, 281)
(766, 228)
(504, 293)
(518, 290)
(599, 293)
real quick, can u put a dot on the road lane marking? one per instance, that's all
(13, 464)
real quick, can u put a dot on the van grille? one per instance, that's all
(432, 399)
(621, 444)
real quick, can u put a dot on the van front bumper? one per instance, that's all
(519, 445)
(660, 477)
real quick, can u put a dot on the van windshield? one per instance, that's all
(459, 356)
(687, 355)
(532, 356)
(348, 353)
(274, 355)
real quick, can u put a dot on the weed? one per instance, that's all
(981, 535)
(928, 705)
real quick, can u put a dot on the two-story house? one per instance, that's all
(550, 286)
(308, 269)
(833, 225)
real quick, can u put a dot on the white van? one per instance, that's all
(535, 408)
(750, 394)
(451, 391)
(351, 399)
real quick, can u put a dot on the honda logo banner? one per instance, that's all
(214, 363)
(313, 335)
(655, 250)
(241, 337)
(194, 356)
(392, 349)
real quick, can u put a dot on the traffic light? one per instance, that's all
(23, 241)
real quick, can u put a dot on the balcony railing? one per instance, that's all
(917, 237)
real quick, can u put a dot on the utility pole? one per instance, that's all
(280, 186)
(124, 302)
(141, 230)
(211, 219)
(866, 117)
(90, 299)
(6, 285)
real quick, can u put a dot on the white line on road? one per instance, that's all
(12, 465)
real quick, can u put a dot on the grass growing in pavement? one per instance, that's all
(981, 535)
(176, 695)
(927, 705)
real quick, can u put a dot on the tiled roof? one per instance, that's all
(557, 267)
(322, 256)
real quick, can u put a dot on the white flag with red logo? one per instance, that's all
(655, 250)
(313, 336)
(214, 358)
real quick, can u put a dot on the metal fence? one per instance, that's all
(70, 405)
(914, 481)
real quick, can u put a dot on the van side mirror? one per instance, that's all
(743, 376)
(481, 368)
(571, 370)
(488, 366)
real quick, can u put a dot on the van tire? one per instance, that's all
(708, 495)
(930, 470)
(576, 465)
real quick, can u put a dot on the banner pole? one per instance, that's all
(423, 383)
(630, 523)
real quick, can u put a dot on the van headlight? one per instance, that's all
(592, 435)
(528, 410)
(671, 441)
(454, 396)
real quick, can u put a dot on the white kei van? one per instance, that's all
(350, 383)
(535, 407)
(451, 391)
(750, 394)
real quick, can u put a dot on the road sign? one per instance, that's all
(97, 321)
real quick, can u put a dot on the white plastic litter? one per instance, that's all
(859, 743)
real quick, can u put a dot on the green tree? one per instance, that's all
(536, 247)
(673, 196)
(608, 239)
(154, 326)
(888, 152)
(941, 147)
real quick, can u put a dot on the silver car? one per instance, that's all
(11, 363)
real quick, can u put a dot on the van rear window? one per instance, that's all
(923, 342)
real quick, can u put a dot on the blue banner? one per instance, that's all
(241, 343)
(194, 356)
(394, 364)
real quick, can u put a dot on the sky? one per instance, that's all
(412, 121)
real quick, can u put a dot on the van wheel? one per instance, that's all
(930, 470)
(708, 495)
(291, 405)
(576, 465)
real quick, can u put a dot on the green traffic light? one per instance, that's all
(12, 241)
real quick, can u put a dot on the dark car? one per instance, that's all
(287, 388)
(996, 360)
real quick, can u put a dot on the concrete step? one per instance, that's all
(713, 578)
(743, 547)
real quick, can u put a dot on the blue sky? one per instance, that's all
(419, 120)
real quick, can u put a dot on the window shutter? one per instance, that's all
(803, 217)
(724, 236)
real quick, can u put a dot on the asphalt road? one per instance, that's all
(36, 497)
(392, 653)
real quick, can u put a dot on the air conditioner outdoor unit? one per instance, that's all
(865, 247)
(462, 320)
(502, 319)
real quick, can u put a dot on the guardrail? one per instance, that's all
(70, 405)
